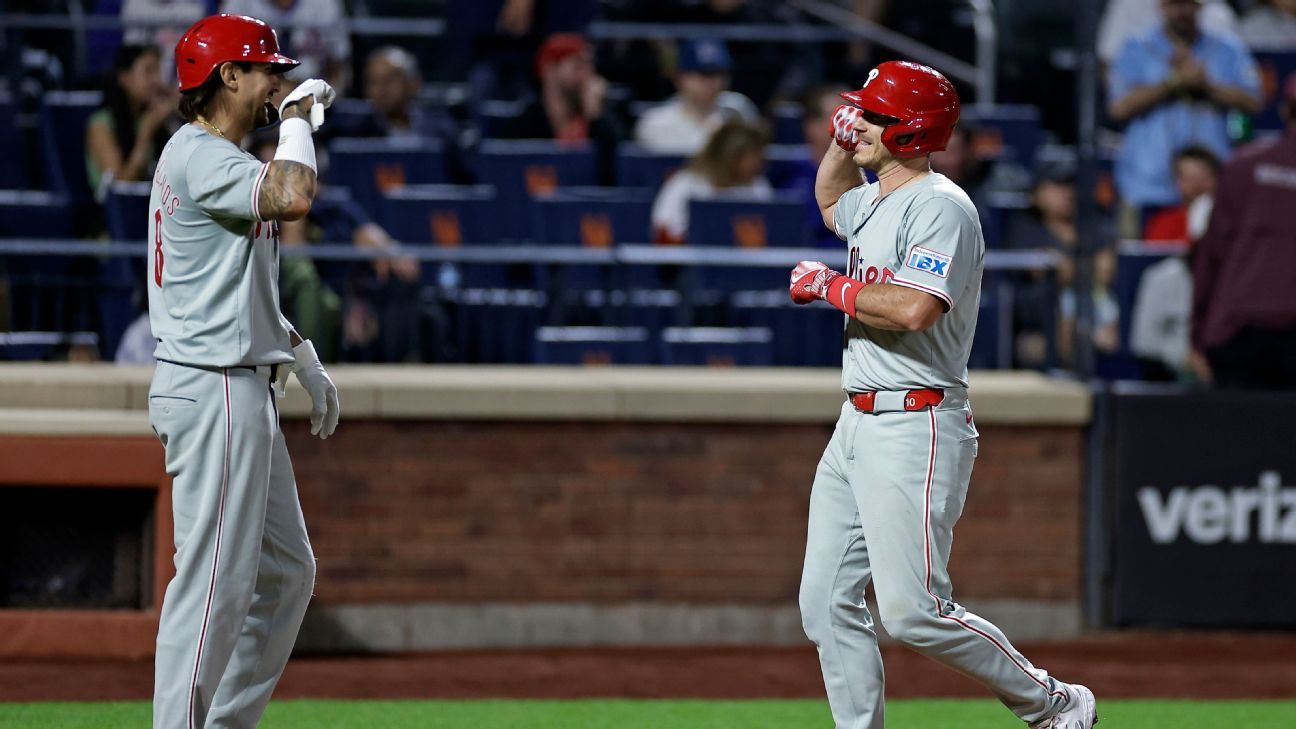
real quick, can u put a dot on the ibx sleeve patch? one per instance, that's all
(929, 261)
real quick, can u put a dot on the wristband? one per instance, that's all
(295, 143)
(841, 293)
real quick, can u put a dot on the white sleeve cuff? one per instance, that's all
(295, 143)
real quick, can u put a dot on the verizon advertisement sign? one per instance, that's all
(1200, 494)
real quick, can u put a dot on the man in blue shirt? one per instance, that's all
(1174, 87)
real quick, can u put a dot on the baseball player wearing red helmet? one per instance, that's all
(892, 481)
(244, 565)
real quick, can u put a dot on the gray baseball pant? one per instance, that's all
(887, 492)
(244, 565)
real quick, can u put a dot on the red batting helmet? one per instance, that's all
(221, 38)
(923, 102)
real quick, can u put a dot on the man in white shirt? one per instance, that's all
(683, 124)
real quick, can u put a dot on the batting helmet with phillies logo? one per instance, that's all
(922, 101)
(222, 38)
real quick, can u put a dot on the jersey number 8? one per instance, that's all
(157, 247)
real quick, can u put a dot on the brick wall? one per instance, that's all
(611, 512)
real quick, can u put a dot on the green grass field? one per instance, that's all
(624, 714)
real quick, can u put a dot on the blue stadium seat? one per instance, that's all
(592, 346)
(12, 176)
(998, 213)
(1132, 261)
(744, 222)
(1009, 132)
(523, 168)
(40, 346)
(494, 117)
(786, 163)
(496, 325)
(803, 336)
(127, 214)
(48, 292)
(371, 167)
(346, 113)
(126, 210)
(992, 343)
(452, 215)
(63, 125)
(717, 346)
(638, 167)
(787, 124)
(592, 217)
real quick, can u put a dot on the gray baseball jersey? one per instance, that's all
(892, 482)
(925, 235)
(244, 567)
(213, 263)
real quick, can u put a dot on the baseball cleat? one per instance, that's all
(1079, 712)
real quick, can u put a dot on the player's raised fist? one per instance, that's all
(319, 90)
(843, 127)
(810, 281)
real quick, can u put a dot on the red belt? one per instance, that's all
(913, 400)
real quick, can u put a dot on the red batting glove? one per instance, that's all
(813, 280)
(842, 128)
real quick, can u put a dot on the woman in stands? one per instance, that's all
(125, 136)
(732, 161)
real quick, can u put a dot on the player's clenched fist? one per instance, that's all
(843, 127)
(813, 280)
(317, 89)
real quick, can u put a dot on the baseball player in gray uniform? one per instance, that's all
(244, 566)
(893, 478)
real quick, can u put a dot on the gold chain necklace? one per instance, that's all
(213, 127)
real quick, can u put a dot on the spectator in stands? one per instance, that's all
(381, 320)
(391, 86)
(1270, 26)
(124, 137)
(318, 39)
(1050, 225)
(1173, 87)
(1123, 20)
(1162, 310)
(732, 161)
(158, 23)
(1195, 171)
(569, 102)
(683, 124)
(1243, 313)
(960, 163)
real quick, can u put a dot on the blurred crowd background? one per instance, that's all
(579, 181)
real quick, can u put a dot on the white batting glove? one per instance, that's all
(318, 88)
(843, 127)
(325, 409)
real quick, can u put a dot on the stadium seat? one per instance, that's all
(495, 325)
(63, 126)
(1132, 261)
(41, 346)
(495, 116)
(992, 343)
(997, 215)
(1008, 132)
(371, 167)
(346, 113)
(523, 168)
(592, 346)
(638, 167)
(802, 336)
(452, 215)
(48, 292)
(717, 346)
(126, 210)
(785, 163)
(592, 217)
(744, 222)
(787, 124)
(12, 176)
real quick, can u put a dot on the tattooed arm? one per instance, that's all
(289, 187)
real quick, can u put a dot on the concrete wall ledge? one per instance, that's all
(485, 392)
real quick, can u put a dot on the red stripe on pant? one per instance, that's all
(931, 467)
(220, 524)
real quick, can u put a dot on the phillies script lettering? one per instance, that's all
(1212, 514)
